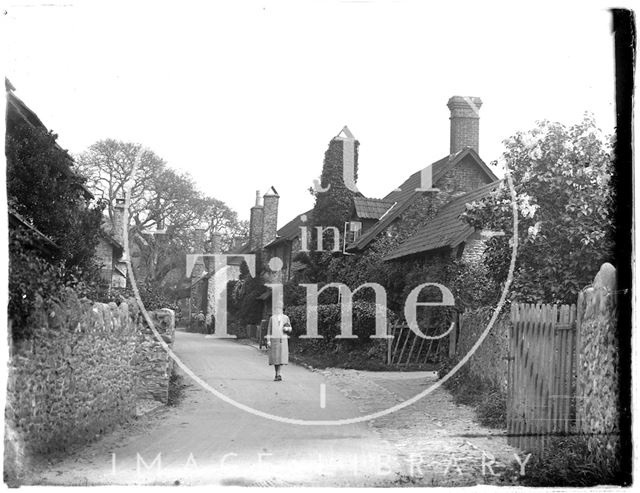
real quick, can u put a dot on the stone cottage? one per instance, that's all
(421, 197)
(424, 207)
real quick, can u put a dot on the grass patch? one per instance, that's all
(344, 354)
(488, 400)
(569, 462)
(368, 355)
(177, 386)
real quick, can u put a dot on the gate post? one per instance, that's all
(453, 337)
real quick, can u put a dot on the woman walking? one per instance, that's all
(278, 342)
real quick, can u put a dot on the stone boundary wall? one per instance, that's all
(597, 386)
(153, 365)
(81, 374)
(489, 362)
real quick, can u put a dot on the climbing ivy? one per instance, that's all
(333, 206)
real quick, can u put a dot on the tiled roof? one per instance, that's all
(438, 169)
(401, 193)
(291, 230)
(406, 193)
(446, 229)
(384, 222)
(16, 219)
(288, 232)
(371, 208)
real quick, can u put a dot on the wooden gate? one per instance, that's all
(540, 374)
(407, 348)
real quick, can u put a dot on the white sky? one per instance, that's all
(245, 95)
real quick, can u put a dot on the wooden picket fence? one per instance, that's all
(541, 374)
(408, 349)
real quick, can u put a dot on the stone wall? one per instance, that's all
(597, 389)
(81, 374)
(153, 364)
(489, 361)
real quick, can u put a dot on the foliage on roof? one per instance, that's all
(407, 193)
(446, 229)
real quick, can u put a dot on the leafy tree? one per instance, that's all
(245, 296)
(561, 178)
(43, 186)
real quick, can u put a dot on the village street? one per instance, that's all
(207, 441)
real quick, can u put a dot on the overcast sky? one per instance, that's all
(245, 95)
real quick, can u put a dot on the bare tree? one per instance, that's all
(161, 199)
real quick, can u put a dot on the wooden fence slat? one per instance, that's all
(426, 358)
(399, 360)
(510, 370)
(518, 389)
(547, 362)
(420, 350)
(399, 330)
(563, 368)
(413, 344)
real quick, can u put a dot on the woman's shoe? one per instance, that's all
(278, 378)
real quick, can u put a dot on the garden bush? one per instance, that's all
(360, 353)
(329, 321)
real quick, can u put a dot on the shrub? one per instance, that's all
(329, 321)
(32, 277)
(44, 187)
(245, 303)
(294, 294)
(152, 298)
(359, 353)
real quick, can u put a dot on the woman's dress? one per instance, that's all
(279, 350)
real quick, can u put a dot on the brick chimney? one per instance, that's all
(256, 224)
(465, 123)
(270, 221)
(118, 221)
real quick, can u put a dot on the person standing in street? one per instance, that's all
(278, 342)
